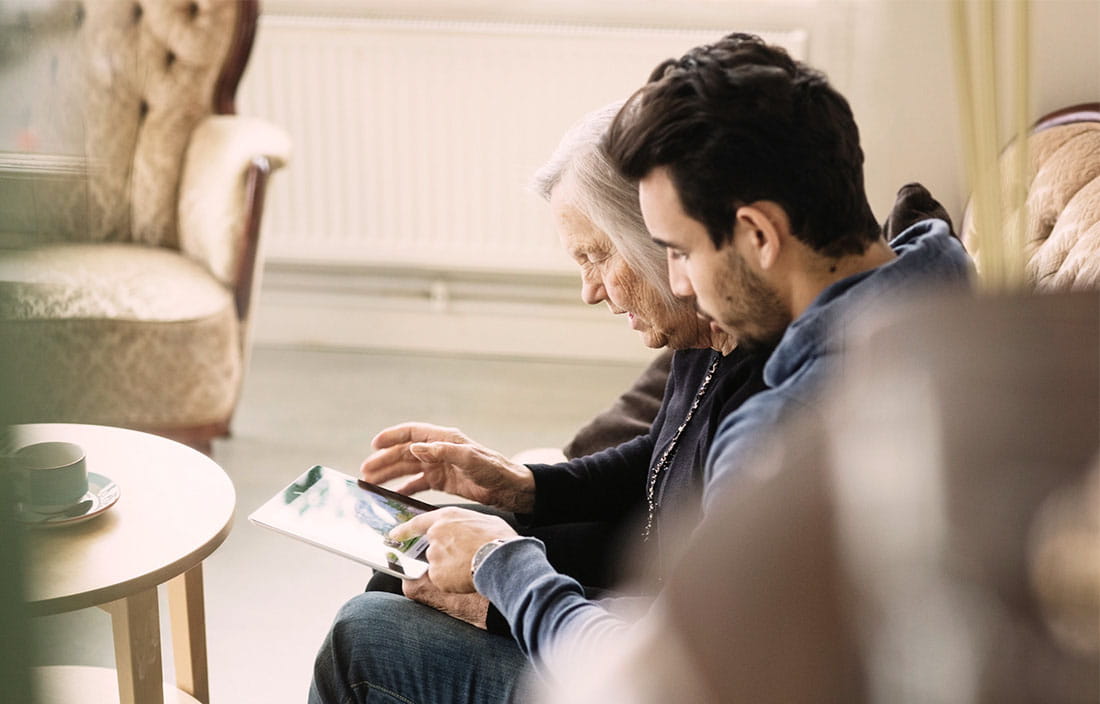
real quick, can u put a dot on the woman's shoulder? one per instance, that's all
(742, 374)
(691, 363)
(690, 358)
(756, 356)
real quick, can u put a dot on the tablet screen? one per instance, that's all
(333, 511)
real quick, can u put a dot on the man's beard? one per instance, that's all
(755, 314)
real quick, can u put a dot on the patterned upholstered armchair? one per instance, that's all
(1062, 234)
(130, 211)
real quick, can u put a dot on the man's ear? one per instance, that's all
(766, 228)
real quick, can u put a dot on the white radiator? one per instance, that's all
(414, 140)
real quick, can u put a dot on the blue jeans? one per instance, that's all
(386, 648)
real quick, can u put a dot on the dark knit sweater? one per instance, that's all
(610, 485)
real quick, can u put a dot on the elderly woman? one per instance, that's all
(599, 223)
(651, 477)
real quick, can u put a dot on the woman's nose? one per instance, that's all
(592, 291)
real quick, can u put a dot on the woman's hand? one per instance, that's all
(447, 460)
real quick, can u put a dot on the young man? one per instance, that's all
(751, 176)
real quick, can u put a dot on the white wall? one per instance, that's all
(898, 72)
(892, 59)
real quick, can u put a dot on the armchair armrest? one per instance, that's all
(221, 195)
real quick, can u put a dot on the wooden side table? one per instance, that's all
(176, 508)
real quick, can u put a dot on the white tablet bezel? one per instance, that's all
(334, 511)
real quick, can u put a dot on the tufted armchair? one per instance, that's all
(131, 215)
(1062, 246)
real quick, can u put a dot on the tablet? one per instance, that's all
(349, 517)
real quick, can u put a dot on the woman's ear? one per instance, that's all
(765, 226)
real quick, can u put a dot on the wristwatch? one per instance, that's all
(483, 552)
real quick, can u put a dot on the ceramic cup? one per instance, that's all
(50, 476)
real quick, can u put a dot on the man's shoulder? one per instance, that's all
(742, 431)
(934, 243)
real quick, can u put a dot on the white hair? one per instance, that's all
(603, 196)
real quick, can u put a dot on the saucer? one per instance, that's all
(102, 495)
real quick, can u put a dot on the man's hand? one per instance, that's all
(471, 608)
(447, 460)
(454, 535)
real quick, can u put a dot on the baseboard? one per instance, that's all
(491, 314)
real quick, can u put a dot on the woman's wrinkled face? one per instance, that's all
(606, 277)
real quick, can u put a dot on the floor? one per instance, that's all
(269, 599)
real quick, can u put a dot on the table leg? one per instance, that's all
(135, 621)
(185, 603)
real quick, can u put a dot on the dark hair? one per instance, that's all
(739, 121)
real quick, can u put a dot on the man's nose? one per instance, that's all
(679, 281)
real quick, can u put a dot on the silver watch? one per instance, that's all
(483, 552)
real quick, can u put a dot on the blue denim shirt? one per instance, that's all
(928, 257)
(544, 608)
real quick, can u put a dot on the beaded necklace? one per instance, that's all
(673, 445)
